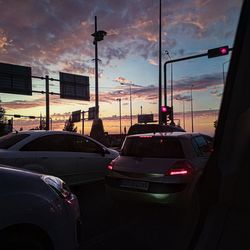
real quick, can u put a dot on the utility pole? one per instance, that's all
(192, 113)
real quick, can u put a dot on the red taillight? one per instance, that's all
(111, 165)
(180, 168)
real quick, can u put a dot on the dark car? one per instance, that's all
(153, 128)
(37, 212)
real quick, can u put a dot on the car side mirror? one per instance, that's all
(104, 151)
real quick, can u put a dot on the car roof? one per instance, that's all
(44, 132)
(166, 134)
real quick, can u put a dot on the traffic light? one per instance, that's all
(166, 113)
(220, 51)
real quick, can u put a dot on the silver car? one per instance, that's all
(73, 157)
(37, 212)
(160, 167)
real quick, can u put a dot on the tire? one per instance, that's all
(23, 241)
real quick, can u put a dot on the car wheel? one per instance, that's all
(23, 241)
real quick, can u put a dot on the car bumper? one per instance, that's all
(158, 193)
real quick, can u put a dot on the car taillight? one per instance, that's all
(111, 165)
(180, 168)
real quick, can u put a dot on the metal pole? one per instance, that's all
(47, 101)
(120, 114)
(51, 123)
(165, 79)
(172, 92)
(141, 110)
(160, 82)
(192, 115)
(83, 122)
(165, 83)
(183, 114)
(223, 71)
(130, 106)
(96, 75)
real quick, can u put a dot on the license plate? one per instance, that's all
(141, 185)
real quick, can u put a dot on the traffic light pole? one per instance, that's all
(178, 60)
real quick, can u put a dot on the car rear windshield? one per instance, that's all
(9, 140)
(152, 128)
(153, 147)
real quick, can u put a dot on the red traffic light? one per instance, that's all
(164, 109)
(224, 50)
(220, 51)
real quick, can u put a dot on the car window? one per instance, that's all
(81, 144)
(200, 145)
(69, 143)
(10, 140)
(151, 128)
(153, 147)
(48, 143)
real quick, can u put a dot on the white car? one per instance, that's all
(73, 157)
(37, 212)
(158, 167)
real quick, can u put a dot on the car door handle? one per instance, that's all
(45, 157)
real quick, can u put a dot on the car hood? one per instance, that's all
(10, 170)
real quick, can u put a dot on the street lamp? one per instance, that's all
(120, 114)
(98, 36)
(192, 115)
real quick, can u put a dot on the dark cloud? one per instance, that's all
(180, 97)
(45, 33)
(199, 83)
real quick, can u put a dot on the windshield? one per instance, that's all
(9, 140)
(152, 147)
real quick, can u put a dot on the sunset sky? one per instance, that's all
(55, 35)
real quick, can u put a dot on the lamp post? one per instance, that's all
(120, 114)
(192, 115)
(98, 36)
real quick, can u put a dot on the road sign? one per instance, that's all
(15, 79)
(76, 116)
(91, 113)
(145, 118)
(74, 87)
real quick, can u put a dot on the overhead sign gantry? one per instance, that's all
(17, 79)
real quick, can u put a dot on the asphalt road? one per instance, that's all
(131, 226)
